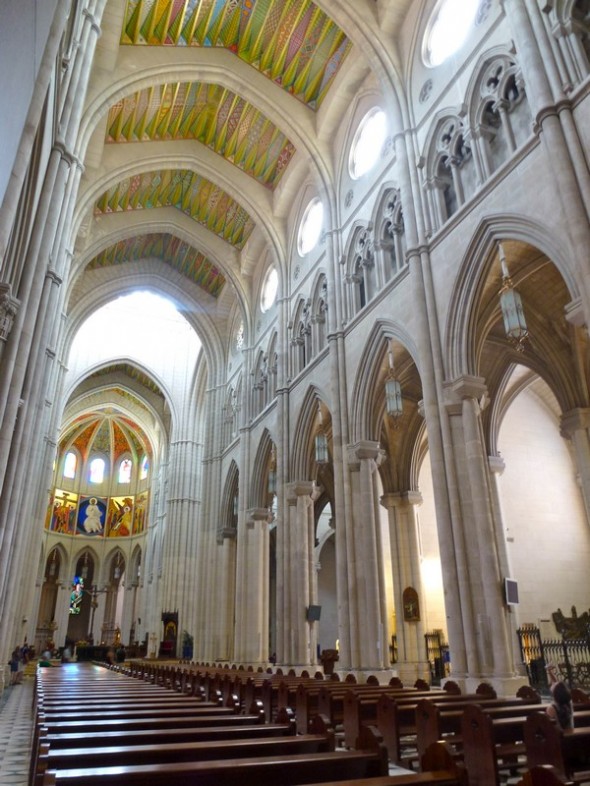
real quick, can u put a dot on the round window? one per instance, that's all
(368, 143)
(311, 227)
(447, 30)
(269, 289)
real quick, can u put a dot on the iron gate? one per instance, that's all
(570, 656)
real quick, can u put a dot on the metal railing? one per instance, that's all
(570, 656)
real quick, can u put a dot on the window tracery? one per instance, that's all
(393, 237)
(569, 24)
(500, 116)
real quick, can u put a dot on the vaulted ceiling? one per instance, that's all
(192, 128)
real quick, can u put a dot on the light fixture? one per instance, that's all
(393, 391)
(272, 472)
(511, 305)
(321, 441)
(84, 571)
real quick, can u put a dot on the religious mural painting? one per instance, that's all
(140, 513)
(120, 517)
(61, 513)
(91, 516)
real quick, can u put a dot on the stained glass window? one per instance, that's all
(70, 465)
(143, 473)
(76, 595)
(97, 466)
(125, 471)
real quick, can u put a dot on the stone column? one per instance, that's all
(252, 602)
(483, 588)
(405, 561)
(557, 132)
(299, 573)
(371, 649)
(574, 426)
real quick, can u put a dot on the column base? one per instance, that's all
(505, 687)
(383, 675)
(410, 671)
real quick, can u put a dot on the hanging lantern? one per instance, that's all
(272, 473)
(393, 392)
(321, 448)
(321, 441)
(511, 305)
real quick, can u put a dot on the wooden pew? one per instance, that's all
(435, 721)
(568, 751)
(123, 755)
(304, 768)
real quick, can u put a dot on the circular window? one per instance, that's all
(269, 289)
(368, 143)
(311, 227)
(447, 30)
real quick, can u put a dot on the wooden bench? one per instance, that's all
(262, 771)
(124, 755)
(568, 751)
(435, 722)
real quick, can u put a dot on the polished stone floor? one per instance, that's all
(16, 729)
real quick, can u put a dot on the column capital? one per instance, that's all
(366, 449)
(496, 464)
(302, 488)
(9, 306)
(256, 514)
(465, 386)
(399, 499)
(574, 420)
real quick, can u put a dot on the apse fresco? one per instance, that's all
(120, 517)
(112, 517)
(91, 516)
(61, 514)
(140, 513)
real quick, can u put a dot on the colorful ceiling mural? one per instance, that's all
(107, 432)
(220, 119)
(196, 196)
(174, 252)
(293, 42)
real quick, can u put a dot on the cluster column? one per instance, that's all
(407, 585)
(299, 577)
(371, 649)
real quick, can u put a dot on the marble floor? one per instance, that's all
(16, 729)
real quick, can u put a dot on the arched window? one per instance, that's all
(450, 169)
(320, 308)
(311, 226)
(97, 470)
(367, 143)
(125, 468)
(362, 270)
(500, 115)
(447, 30)
(145, 467)
(70, 465)
(269, 289)
(393, 237)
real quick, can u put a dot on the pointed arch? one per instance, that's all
(303, 465)
(258, 485)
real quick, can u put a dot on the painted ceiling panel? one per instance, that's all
(107, 432)
(217, 117)
(196, 196)
(171, 250)
(292, 42)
